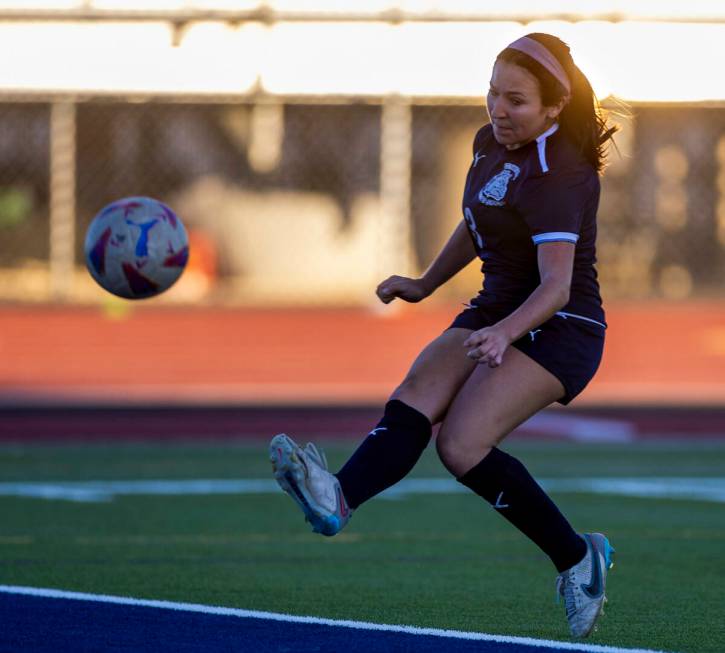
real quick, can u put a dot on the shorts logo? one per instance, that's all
(495, 189)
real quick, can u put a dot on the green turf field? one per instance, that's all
(445, 561)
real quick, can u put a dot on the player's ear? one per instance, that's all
(553, 111)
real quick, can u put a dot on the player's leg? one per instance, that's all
(492, 402)
(489, 406)
(436, 375)
(393, 447)
(390, 450)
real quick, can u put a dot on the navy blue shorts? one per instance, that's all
(568, 347)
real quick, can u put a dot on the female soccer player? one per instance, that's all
(534, 334)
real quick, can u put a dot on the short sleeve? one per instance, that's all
(482, 139)
(553, 205)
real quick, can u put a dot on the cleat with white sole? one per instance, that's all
(583, 585)
(303, 474)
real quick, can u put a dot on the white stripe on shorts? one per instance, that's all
(580, 317)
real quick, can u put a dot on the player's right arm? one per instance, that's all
(457, 253)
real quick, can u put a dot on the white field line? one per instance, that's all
(274, 616)
(685, 488)
(580, 429)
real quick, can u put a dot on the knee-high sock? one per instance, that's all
(506, 484)
(387, 455)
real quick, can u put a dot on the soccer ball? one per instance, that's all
(136, 247)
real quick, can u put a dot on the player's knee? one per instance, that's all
(446, 451)
(414, 385)
(459, 455)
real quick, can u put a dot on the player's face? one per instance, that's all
(514, 106)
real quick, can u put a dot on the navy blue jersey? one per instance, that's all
(515, 200)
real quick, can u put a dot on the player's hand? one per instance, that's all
(410, 290)
(487, 346)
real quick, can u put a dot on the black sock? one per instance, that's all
(388, 453)
(506, 484)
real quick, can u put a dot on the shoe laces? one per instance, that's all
(317, 455)
(565, 588)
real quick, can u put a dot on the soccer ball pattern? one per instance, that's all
(136, 247)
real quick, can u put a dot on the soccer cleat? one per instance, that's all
(303, 474)
(583, 585)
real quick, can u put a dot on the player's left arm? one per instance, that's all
(556, 264)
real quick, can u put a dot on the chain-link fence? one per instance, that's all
(290, 203)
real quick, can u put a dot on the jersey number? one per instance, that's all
(472, 226)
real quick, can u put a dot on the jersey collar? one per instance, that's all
(541, 146)
(548, 132)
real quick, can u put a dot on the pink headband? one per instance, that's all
(539, 53)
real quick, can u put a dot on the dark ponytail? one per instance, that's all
(582, 120)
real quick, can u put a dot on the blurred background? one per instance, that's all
(313, 148)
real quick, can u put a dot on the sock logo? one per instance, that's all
(498, 505)
(378, 428)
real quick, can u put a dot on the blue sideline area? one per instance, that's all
(47, 625)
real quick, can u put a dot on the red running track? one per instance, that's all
(655, 354)
(317, 372)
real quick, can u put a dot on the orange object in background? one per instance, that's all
(200, 275)
(655, 353)
(202, 255)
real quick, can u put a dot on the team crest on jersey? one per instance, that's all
(495, 189)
